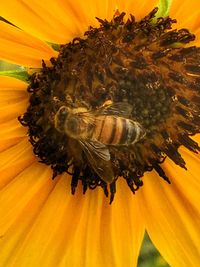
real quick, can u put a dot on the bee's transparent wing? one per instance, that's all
(121, 109)
(98, 157)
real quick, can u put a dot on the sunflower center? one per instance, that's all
(152, 84)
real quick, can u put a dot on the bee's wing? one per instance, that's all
(121, 109)
(98, 157)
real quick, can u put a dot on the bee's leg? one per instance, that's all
(112, 191)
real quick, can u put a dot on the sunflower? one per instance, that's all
(41, 221)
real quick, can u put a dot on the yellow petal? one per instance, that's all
(106, 9)
(172, 212)
(70, 18)
(13, 98)
(61, 21)
(82, 230)
(11, 133)
(84, 15)
(187, 15)
(12, 109)
(8, 96)
(22, 201)
(14, 160)
(184, 12)
(12, 84)
(12, 95)
(137, 8)
(33, 19)
(48, 20)
(196, 138)
(21, 48)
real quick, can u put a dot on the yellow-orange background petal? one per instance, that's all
(187, 14)
(41, 222)
(172, 213)
(13, 102)
(19, 47)
(83, 230)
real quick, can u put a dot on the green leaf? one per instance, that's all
(4, 65)
(18, 74)
(163, 8)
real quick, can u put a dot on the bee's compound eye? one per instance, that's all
(63, 111)
(61, 117)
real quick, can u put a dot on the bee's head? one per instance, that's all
(60, 118)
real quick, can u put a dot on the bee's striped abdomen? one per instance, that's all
(111, 130)
(134, 132)
(105, 129)
(127, 131)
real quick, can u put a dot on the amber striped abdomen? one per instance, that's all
(112, 130)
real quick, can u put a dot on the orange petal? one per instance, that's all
(13, 98)
(83, 230)
(57, 22)
(21, 48)
(62, 20)
(172, 212)
(11, 133)
(12, 107)
(84, 15)
(14, 160)
(21, 203)
(184, 12)
(187, 15)
(137, 8)
(70, 18)
(12, 84)
(47, 20)
(196, 138)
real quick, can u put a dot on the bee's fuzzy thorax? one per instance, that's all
(142, 63)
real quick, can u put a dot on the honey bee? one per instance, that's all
(99, 129)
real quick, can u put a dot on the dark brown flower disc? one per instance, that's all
(144, 64)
